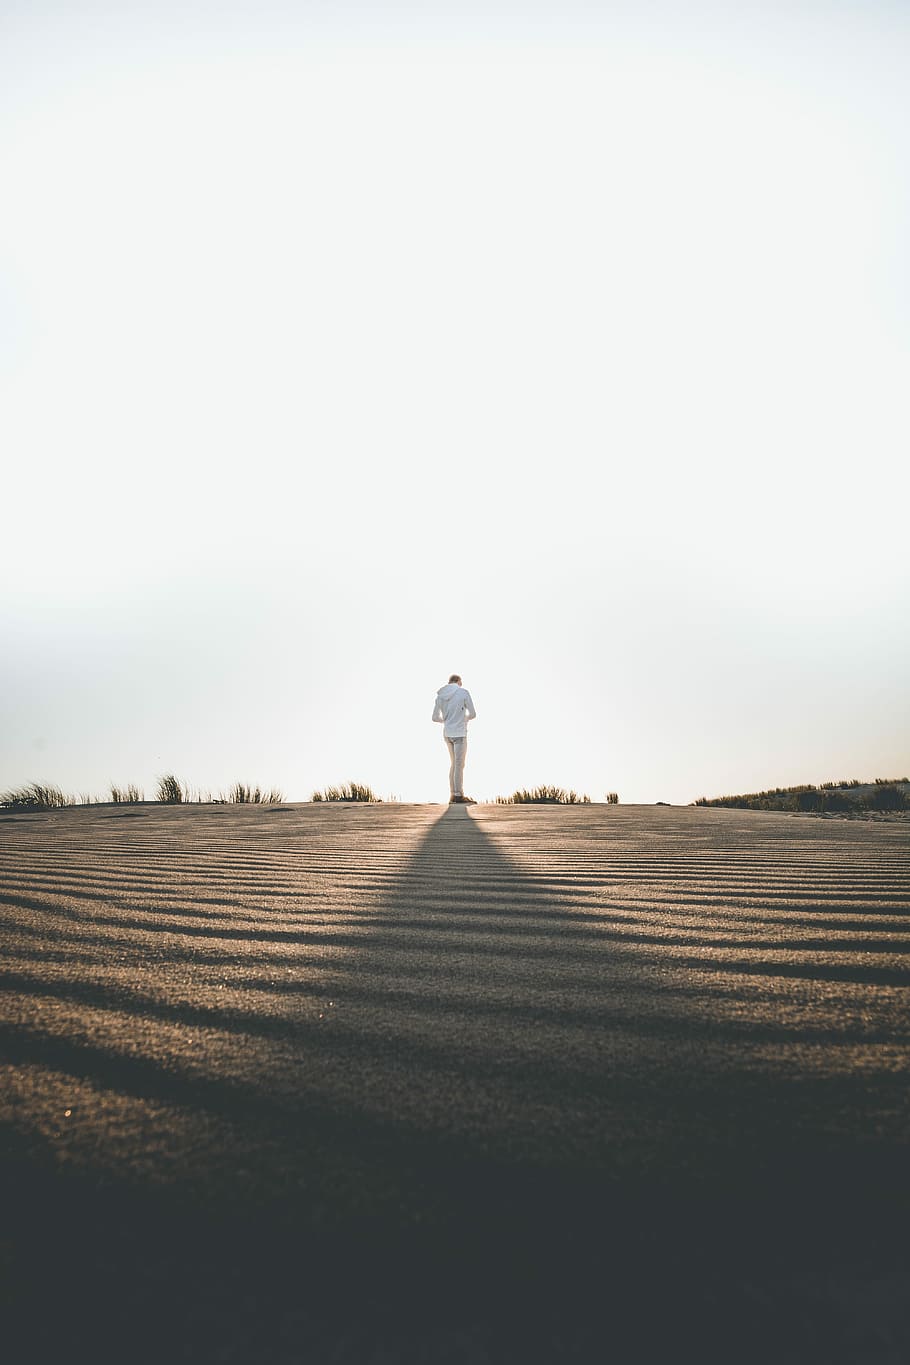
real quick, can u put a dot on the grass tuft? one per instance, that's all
(126, 796)
(35, 796)
(171, 791)
(544, 796)
(242, 795)
(349, 791)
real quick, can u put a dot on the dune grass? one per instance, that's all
(171, 791)
(242, 795)
(544, 796)
(174, 792)
(850, 797)
(35, 796)
(348, 791)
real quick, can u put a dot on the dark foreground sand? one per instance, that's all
(401, 1084)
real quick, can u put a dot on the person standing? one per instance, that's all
(453, 709)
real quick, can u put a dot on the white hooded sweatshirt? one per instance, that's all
(454, 709)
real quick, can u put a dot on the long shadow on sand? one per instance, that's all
(488, 1128)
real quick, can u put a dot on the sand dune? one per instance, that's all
(382, 1083)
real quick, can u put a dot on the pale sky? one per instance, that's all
(563, 346)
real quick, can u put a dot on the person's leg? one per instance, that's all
(450, 745)
(461, 749)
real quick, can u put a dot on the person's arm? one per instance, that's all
(469, 711)
(437, 711)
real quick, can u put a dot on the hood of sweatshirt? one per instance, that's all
(448, 691)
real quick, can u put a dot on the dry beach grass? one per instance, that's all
(382, 1083)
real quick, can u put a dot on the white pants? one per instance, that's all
(457, 751)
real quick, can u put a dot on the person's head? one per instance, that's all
(455, 679)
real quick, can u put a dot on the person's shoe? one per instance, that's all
(465, 800)
(453, 799)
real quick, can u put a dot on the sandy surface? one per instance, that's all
(401, 1083)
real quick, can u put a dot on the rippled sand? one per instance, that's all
(394, 1082)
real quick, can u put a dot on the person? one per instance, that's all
(453, 709)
